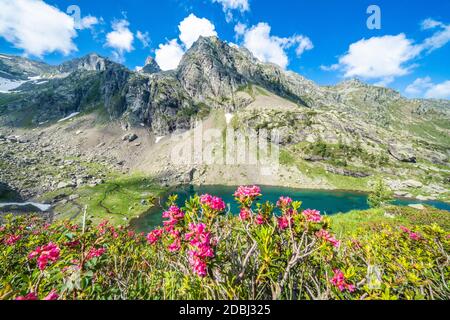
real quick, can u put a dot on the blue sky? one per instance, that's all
(326, 41)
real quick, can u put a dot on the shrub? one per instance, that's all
(380, 196)
(267, 251)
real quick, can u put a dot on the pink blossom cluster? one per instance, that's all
(413, 235)
(174, 215)
(244, 193)
(201, 244)
(339, 281)
(154, 236)
(285, 221)
(176, 244)
(12, 239)
(260, 219)
(312, 215)
(44, 254)
(284, 202)
(245, 214)
(72, 244)
(214, 203)
(2, 228)
(53, 295)
(95, 253)
(325, 235)
(103, 228)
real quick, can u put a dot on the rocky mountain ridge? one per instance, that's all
(348, 131)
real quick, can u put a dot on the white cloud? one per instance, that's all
(387, 57)
(144, 38)
(439, 91)
(87, 22)
(191, 28)
(36, 27)
(438, 39)
(240, 28)
(169, 55)
(333, 67)
(120, 39)
(229, 6)
(268, 48)
(424, 87)
(241, 5)
(379, 57)
(430, 24)
(419, 85)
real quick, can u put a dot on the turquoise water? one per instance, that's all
(328, 202)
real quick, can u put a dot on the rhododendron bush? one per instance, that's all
(202, 251)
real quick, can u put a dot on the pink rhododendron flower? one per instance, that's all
(245, 214)
(45, 254)
(284, 202)
(72, 244)
(412, 235)
(284, 222)
(217, 204)
(174, 215)
(339, 281)
(214, 203)
(260, 219)
(29, 296)
(200, 241)
(95, 253)
(12, 239)
(206, 199)
(53, 295)
(312, 215)
(199, 266)
(175, 246)
(2, 228)
(405, 229)
(244, 193)
(325, 235)
(415, 236)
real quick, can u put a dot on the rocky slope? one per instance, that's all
(341, 136)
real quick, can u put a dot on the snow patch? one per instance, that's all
(70, 116)
(7, 85)
(158, 139)
(5, 57)
(229, 117)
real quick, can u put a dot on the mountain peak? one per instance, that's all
(90, 62)
(151, 66)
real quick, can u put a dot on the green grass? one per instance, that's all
(316, 171)
(118, 200)
(345, 224)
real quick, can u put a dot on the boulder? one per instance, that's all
(402, 153)
(412, 184)
(130, 137)
(348, 173)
